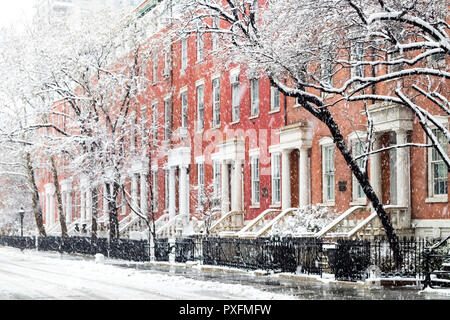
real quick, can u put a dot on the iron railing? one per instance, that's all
(434, 258)
(162, 249)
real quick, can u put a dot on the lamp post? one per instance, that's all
(21, 214)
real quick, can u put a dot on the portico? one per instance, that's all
(297, 136)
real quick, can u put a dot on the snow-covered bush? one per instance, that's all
(309, 219)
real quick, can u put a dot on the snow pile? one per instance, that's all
(309, 219)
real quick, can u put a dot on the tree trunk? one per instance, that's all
(37, 210)
(62, 218)
(363, 180)
(112, 208)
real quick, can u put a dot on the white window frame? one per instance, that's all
(432, 197)
(155, 68)
(200, 182)
(275, 164)
(200, 47)
(216, 101)
(235, 96)
(200, 106)
(357, 51)
(166, 188)
(356, 141)
(274, 99)
(155, 122)
(254, 97)
(155, 189)
(215, 35)
(216, 179)
(167, 118)
(184, 53)
(184, 108)
(327, 145)
(255, 183)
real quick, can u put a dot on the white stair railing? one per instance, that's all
(229, 222)
(279, 219)
(344, 223)
(256, 224)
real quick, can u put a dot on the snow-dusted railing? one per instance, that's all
(167, 230)
(399, 216)
(279, 220)
(256, 224)
(368, 228)
(344, 223)
(55, 229)
(230, 222)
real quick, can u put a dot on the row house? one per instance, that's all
(229, 150)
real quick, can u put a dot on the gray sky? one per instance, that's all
(15, 12)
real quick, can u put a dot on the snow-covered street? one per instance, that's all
(38, 275)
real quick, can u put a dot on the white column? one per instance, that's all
(303, 177)
(285, 179)
(183, 191)
(144, 198)
(172, 203)
(237, 187)
(225, 188)
(403, 187)
(89, 205)
(47, 209)
(375, 169)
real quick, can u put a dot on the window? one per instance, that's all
(328, 173)
(201, 183)
(166, 71)
(155, 190)
(254, 97)
(216, 102)
(200, 108)
(254, 10)
(184, 109)
(200, 46)
(358, 56)
(155, 67)
(166, 189)
(167, 118)
(276, 178)
(184, 51)
(216, 179)
(255, 180)
(437, 168)
(358, 192)
(215, 35)
(155, 122)
(235, 97)
(274, 99)
(327, 72)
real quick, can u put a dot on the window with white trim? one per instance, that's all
(274, 98)
(215, 35)
(166, 189)
(216, 180)
(167, 118)
(155, 122)
(184, 109)
(328, 173)
(200, 46)
(200, 108)
(357, 150)
(216, 102)
(201, 183)
(155, 67)
(276, 177)
(254, 96)
(358, 56)
(255, 180)
(437, 168)
(184, 53)
(155, 190)
(235, 97)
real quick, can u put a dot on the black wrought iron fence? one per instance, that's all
(162, 249)
(126, 249)
(18, 242)
(351, 259)
(188, 249)
(277, 254)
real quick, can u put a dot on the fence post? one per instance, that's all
(172, 250)
(427, 281)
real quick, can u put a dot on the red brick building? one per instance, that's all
(257, 154)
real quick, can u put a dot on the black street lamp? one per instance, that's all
(21, 214)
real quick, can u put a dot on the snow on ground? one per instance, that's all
(42, 275)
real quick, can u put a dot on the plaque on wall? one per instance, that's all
(342, 185)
